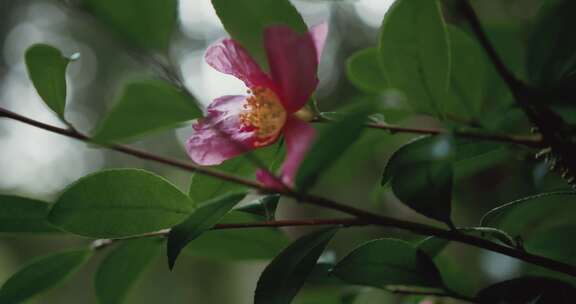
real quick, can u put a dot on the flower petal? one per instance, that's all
(318, 33)
(299, 136)
(220, 135)
(229, 57)
(293, 62)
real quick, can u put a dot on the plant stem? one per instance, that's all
(362, 215)
(534, 141)
(344, 222)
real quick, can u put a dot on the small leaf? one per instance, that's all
(42, 274)
(239, 244)
(385, 262)
(415, 53)
(146, 106)
(198, 222)
(528, 290)
(119, 203)
(145, 23)
(24, 215)
(531, 214)
(330, 144)
(248, 27)
(47, 70)
(421, 175)
(264, 206)
(285, 275)
(122, 268)
(364, 71)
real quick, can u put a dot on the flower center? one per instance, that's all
(264, 113)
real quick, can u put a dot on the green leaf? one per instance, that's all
(264, 206)
(198, 222)
(285, 275)
(384, 262)
(119, 203)
(330, 144)
(47, 70)
(528, 290)
(146, 106)
(415, 53)
(365, 72)
(421, 174)
(24, 215)
(531, 214)
(239, 244)
(42, 274)
(551, 49)
(144, 23)
(122, 268)
(248, 26)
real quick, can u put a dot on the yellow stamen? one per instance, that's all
(263, 112)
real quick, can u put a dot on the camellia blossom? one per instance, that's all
(236, 124)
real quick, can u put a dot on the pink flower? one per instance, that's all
(259, 119)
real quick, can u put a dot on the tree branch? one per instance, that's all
(362, 215)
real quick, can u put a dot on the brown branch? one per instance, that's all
(534, 141)
(364, 216)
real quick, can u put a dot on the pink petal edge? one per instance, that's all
(229, 57)
(318, 33)
(293, 61)
(220, 135)
(299, 136)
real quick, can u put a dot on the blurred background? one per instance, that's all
(38, 164)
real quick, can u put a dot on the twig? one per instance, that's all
(368, 217)
(431, 293)
(344, 222)
(534, 141)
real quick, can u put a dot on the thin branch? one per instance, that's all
(344, 222)
(431, 293)
(534, 141)
(365, 216)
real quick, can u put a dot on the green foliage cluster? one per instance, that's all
(439, 69)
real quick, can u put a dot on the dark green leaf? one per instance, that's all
(47, 70)
(145, 23)
(415, 53)
(41, 274)
(426, 187)
(423, 149)
(122, 268)
(531, 214)
(118, 203)
(421, 174)
(18, 214)
(330, 144)
(552, 48)
(285, 275)
(264, 206)
(432, 246)
(198, 222)
(385, 262)
(364, 71)
(248, 26)
(528, 290)
(146, 106)
(552, 243)
(239, 244)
